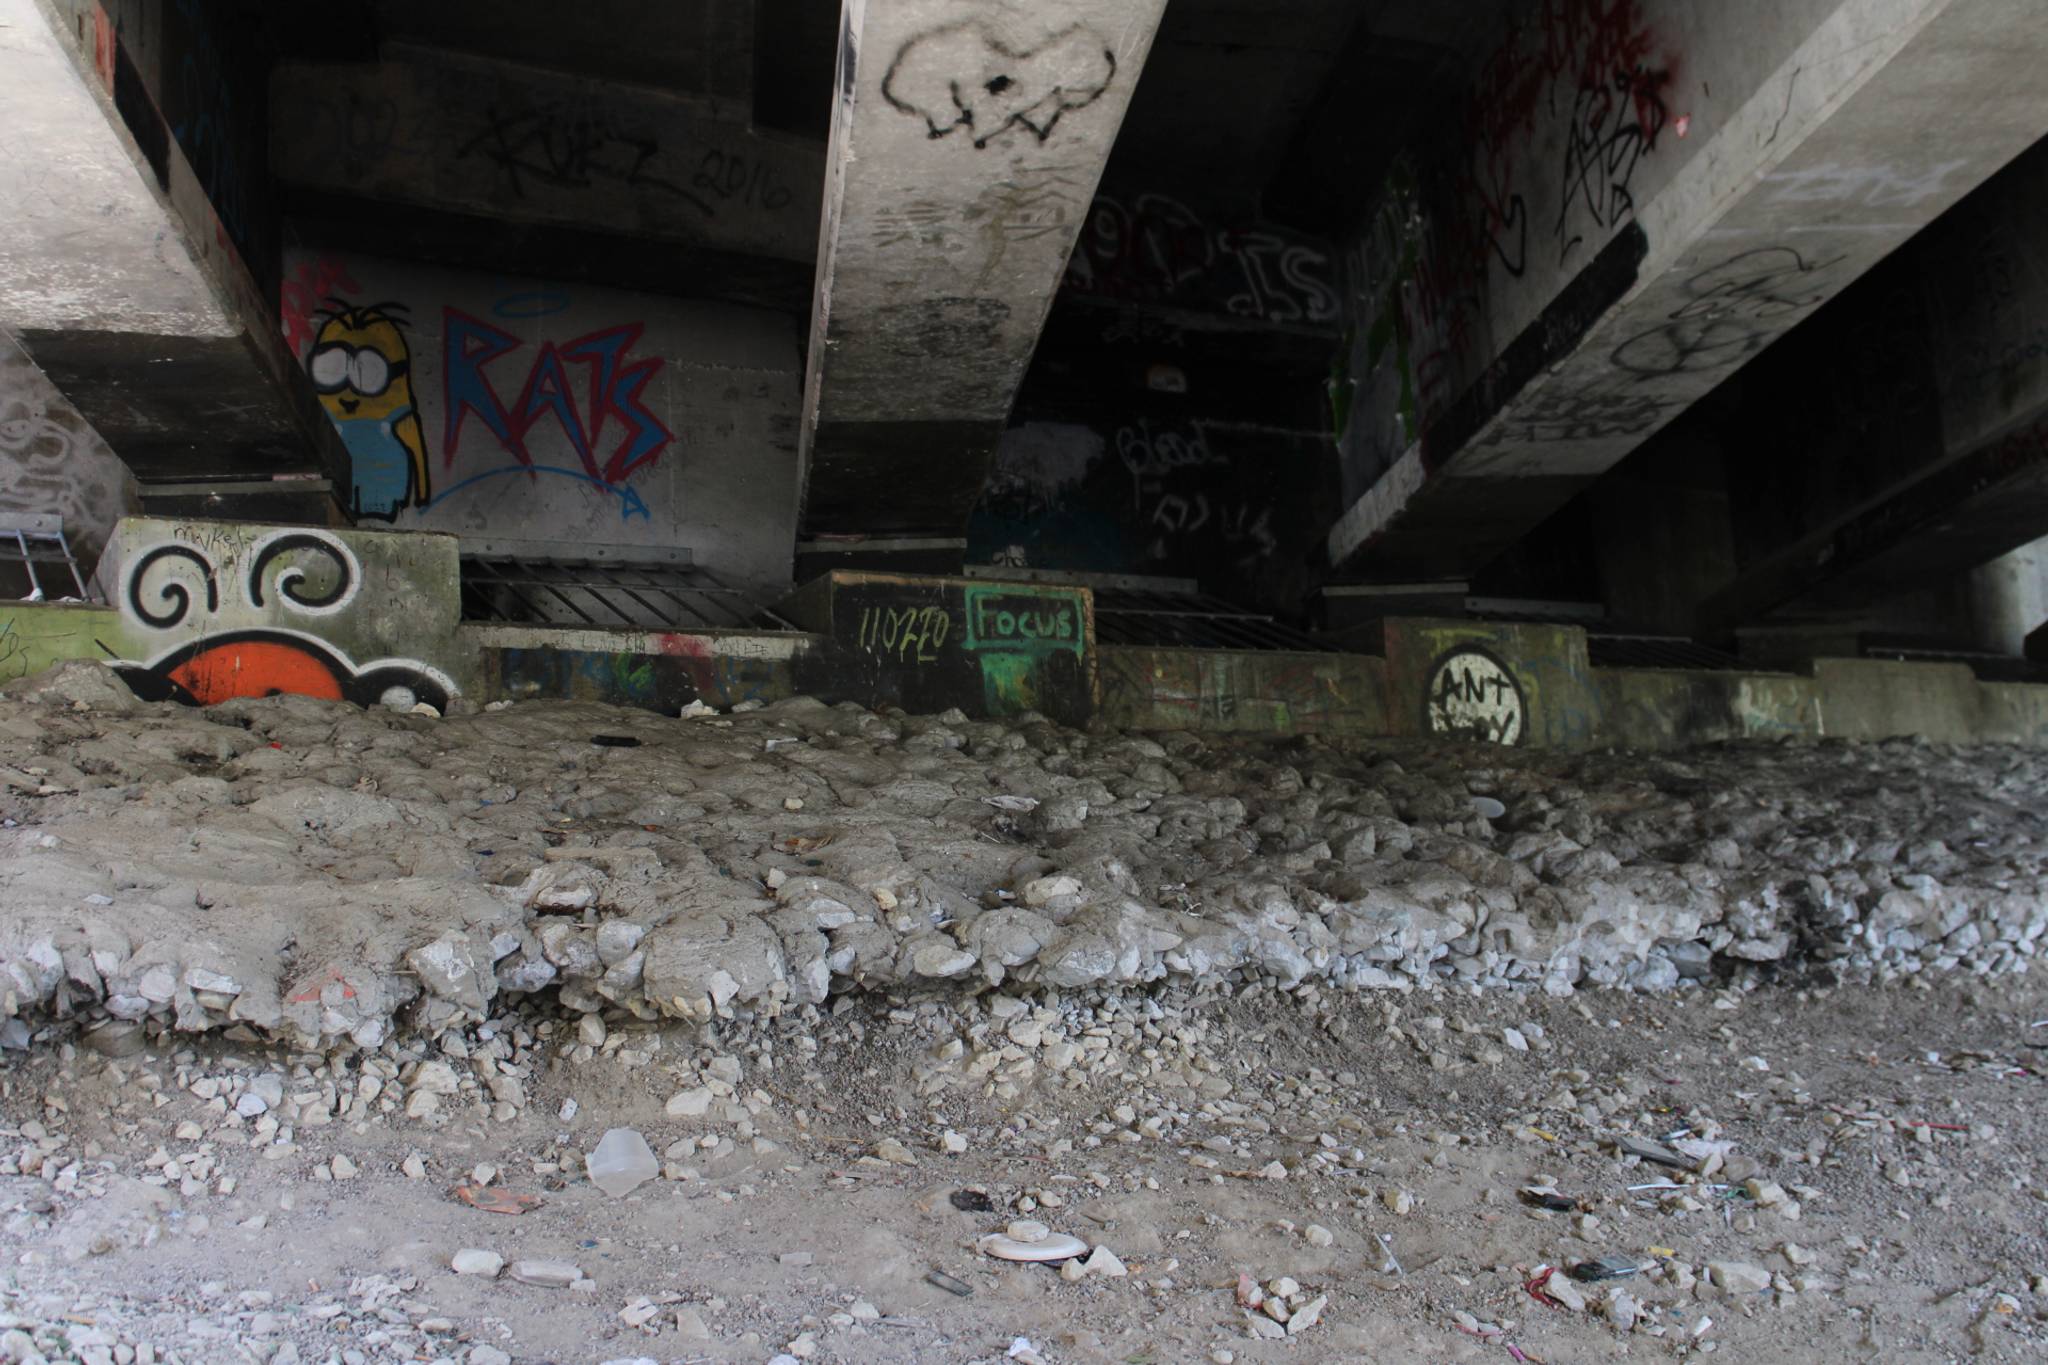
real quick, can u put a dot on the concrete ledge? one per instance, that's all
(1642, 708)
(656, 670)
(1242, 691)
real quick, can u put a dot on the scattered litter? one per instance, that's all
(1545, 1198)
(1488, 807)
(1015, 803)
(1652, 1151)
(621, 1163)
(696, 709)
(1538, 1286)
(1054, 1246)
(1393, 1262)
(1610, 1267)
(972, 1201)
(615, 741)
(949, 1284)
(495, 1199)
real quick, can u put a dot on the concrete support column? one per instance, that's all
(967, 141)
(2009, 598)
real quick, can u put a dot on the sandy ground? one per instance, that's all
(279, 977)
(1896, 1134)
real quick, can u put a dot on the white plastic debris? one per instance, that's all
(1055, 1246)
(622, 1163)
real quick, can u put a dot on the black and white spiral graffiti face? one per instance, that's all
(1472, 695)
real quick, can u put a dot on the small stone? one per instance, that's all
(487, 1355)
(894, 1152)
(1028, 1231)
(863, 1311)
(590, 1028)
(546, 1274)
(796, 1260)
(1104, 1262)
(1273, 1170)
(342, 1168)
(952, 1143)
(1738, 1277)
(1514, 1039)
(414, 1168)
(1398, 1202)
(1797, 1254)
(1308, 1315)
(476, 1261)
(1561, 1288)
(690, 1325)
(1318, 1235)
(689, 1104)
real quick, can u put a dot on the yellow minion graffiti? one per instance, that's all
(361, 369)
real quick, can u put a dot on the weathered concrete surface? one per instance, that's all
(965, 149)
(165, 77)
(325, 874)
(84, 244)
(1723, 172)
(436, 128)
(1499, 683)
(1938, 466)
(659, 670)
(1881, 699)
(930, 643)
(540, 417)
(203, 611)
(1225, 691)
(52, 463)
(1654, 709)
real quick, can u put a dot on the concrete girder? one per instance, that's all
(1969, 478)
(447, 131)
(966, 147)
(1718, 172)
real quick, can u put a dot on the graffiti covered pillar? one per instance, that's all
(1636, 197)
(966, 144)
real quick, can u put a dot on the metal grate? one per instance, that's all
(1131, 616)
(38, 540)
(1658, 651)
(571, 592)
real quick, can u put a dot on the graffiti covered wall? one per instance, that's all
(201, 611)
(516, 411)
(1148, 496)
(1174, 421)
(52, 463)
(926, 644)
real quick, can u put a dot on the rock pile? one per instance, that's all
(293, 869)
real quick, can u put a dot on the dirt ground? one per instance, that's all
(1895, 1136)
(1325, 1050)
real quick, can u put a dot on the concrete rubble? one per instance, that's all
(309, 872)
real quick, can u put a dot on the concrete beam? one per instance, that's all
(446, 131)
(1966, 395)
(142, 301)
(84, 244)
(966, 147)
(1642, 197)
